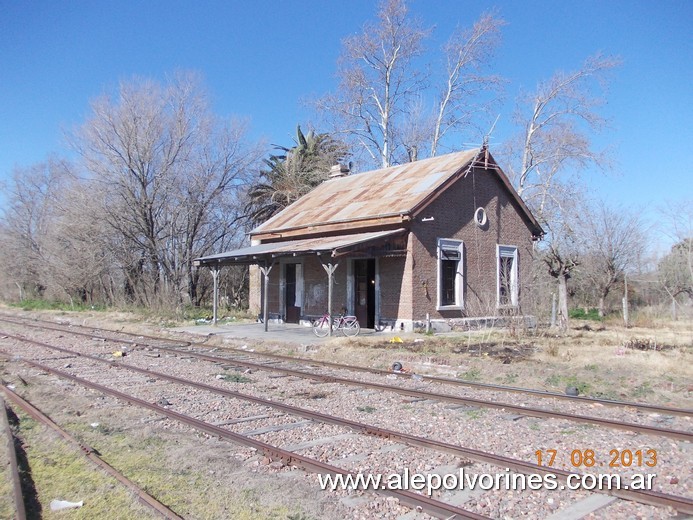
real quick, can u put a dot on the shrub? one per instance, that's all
(580, 314)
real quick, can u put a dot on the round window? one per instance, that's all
(480, 217)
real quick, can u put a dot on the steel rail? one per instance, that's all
(642, 496)
(665, 410)
(429, 505)
(17, 494)
(485, 386)
(90, 454)
(48, 325)
(522, 410)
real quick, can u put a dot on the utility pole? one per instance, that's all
(625, 300)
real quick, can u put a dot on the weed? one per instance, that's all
(581, 314)
(473, 374)
(43, 305)
(474, 414)
(366, 409)
(312, 395)
(559, 381)
(582, 386)
(608, 396)
(299, 516)
(104, 430)
(553, 380)
(234, 378)
(591, 367)
(510, 379)
(644, 389)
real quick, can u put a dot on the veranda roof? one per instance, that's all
(333, 246)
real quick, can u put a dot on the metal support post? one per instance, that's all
(215, 297)
(265, 312)
(330, 269)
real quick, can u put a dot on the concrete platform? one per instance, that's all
(281, 333)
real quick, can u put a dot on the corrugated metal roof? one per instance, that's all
(388, 191)
(290, 247)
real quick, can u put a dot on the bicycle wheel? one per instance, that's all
(321, 327)
(351, 327)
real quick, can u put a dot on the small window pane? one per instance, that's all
(507, 276)
(448, 274)
(505, 282)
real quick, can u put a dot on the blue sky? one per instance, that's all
(262, 59)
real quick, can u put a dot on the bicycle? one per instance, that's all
(348, 325)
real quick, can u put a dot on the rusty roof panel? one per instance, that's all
(369, 195)
(254, 254)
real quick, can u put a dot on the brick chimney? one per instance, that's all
(339, 170)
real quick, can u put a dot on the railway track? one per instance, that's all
(679, 503)
(88, 452)
(19, 509)
(241, 359)
(417, 501)
(139, 340)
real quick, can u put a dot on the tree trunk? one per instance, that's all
(563, 302)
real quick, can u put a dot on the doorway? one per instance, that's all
(292, 292)
(364, 292)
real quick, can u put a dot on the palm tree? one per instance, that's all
(289, 175)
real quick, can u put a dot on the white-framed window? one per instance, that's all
(507, 276)
(450, 274)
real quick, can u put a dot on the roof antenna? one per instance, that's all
(488, 134)
(484, 146)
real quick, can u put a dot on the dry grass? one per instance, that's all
(59, 472)
(601, 360)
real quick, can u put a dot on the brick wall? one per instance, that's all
(395, 288)
(453, 217)
(315, 279)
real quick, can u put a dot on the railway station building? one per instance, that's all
(437, 243)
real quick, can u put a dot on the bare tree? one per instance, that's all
(169, 178)
(468, 53)
(377, 78)
(562, 250)
(557, 122)
(56, 244)
(614, 244)
(675, 270)
(29, 223)
(379, 104)
(553, 148)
